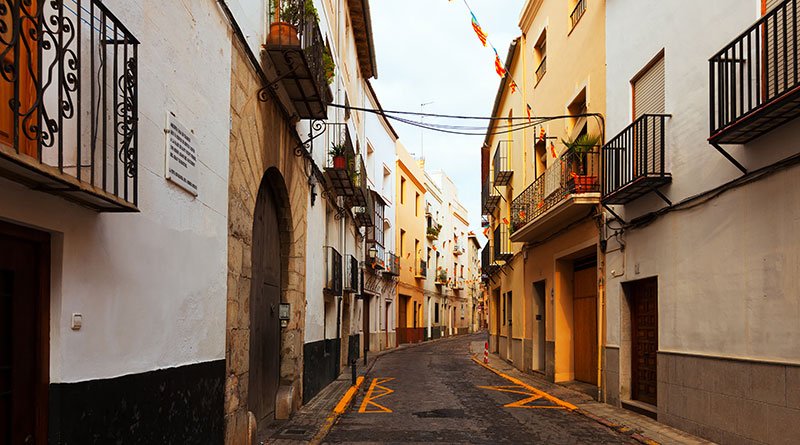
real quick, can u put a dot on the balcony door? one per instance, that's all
(27, 52)
(265, 297)
(24, 334)
(584, 321)
(649, 97)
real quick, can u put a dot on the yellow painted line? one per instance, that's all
(523, 403)
(345, 400)
(535, 391)
(371, 396)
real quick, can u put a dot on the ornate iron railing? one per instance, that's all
(333, 270)
(300, 56)
(69, 101)
(392, 264)
(634, 160)
(502, 163)
(759, 69)
(577, 12)
(572, 173)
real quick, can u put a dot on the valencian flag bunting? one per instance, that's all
(481, 35)
(513, 87)
(528, 110)
(553, 149)
(498, 65)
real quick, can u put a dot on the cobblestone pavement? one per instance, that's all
(434, 393)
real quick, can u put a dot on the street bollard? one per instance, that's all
(353, 369)
(486, 353)
(365, 357)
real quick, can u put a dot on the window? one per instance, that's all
(402, 190)
(436, 313)
(504, 309)
(416, 249)
(402, 242)
(462, 271)
(540, 56)
(578, 109)
(648, 89)
(577, 12)
(428, 256)
(416, 204)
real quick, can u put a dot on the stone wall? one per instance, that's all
(261, 145)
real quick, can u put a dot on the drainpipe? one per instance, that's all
(601, 293)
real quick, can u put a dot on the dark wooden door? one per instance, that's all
(24, 333)
(644, 335)
(584, 325)
(402, 312)
(265, 297)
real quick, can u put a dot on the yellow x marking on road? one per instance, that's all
(524, 403)
(372, 395)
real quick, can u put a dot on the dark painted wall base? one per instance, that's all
(320, 366)
(354, 348)
(182, 405)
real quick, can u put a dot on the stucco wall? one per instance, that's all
(150, 285)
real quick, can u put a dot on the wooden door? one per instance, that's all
(539, 321)
(265, 297)
(644, 335)
(24, 334)
(584, 324)
(28, 56)
(402, 312)
(366, 322)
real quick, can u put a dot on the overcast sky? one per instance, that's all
(428, 52)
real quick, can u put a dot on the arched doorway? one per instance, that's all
(265, 298)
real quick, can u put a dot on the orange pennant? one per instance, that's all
(553, 149)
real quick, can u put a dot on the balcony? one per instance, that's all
(352, 271)
(542, 70)
(432, 232)
(392, 265)
(755, 80)
(421, 271)
(488, 265)
(457, 284)
(340, 166)
(563, 194)
(577, 13)
(457, 249)
(489, 197)
(69, 103)
(362, 202)
(441, 277)
(633, 161)
(333, 271)
(375, 256)
(502, 244)
(503, 172)
(301, 60)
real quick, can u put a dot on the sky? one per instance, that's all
(427, 51)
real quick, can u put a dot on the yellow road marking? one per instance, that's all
(345, 400)
(371, 396)
(533, 390)
(523, 403)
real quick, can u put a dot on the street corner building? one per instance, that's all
(113, 217)
(641, 238)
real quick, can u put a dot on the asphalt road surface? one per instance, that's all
(435, 393)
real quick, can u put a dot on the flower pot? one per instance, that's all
(283, 34)
(584, 183)
(339, 162)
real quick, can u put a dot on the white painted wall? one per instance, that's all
(728, 271)
(151, 285)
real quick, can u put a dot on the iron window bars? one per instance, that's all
(69, 101)
(333, 270)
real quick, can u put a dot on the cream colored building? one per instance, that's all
(542, 200)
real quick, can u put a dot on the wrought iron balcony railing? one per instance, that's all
(362, 202)
(301, 58)
(69, 102)
(340, 165)
(352, 274)
(572, 173)
(577, 12)
(633, 161)
(392, 265)
(502, 243)
(503, 171)
(375, 256)
(422, 269)
(333, 271)
(489, 197)
(755, 80)
(488, 265)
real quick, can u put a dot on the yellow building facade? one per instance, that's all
(541, 194)
(410, 244)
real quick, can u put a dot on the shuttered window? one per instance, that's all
(779, 52)
(648, 90)
(769, 4)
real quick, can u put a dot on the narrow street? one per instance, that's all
(435, 393)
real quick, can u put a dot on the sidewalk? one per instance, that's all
(639, 427)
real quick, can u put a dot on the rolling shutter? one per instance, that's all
(771, 4)
(648, 90)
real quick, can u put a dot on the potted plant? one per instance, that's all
(328, 65)
(337, 153)
(581, 178)
(289, 15)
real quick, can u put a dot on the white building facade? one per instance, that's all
(702, 266)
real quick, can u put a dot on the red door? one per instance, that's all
(24, 333)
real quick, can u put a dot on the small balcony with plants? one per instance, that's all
(458, 249)
(421, 269)
(69, 113)
(302, 61)
(433, 230)
(441, 277)
(564, 193)
(340, 166)
(392, 265)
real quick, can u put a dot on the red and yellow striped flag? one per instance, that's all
(513, 87)
(498, 66)
(553, 149)
(478, 30)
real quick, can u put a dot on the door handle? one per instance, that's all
(272, 308)
(29, 439)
